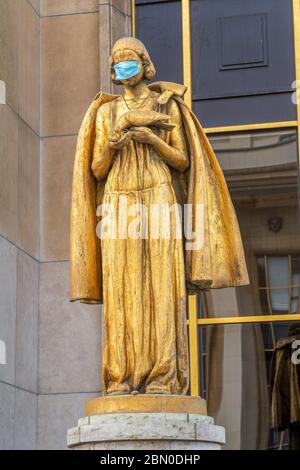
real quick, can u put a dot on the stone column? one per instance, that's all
(225, 368)
(114, 23)
(19, 220)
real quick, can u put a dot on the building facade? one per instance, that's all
(240, 60)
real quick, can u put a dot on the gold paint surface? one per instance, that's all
(193, 343)
(143, 282)
(251, 127)
(248, 319)
(146, 404)
(186, 50)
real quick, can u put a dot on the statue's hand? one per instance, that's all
(118, 140)
(141, 118)
(143, 135)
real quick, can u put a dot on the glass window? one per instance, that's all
(256, 150)
(260, 168)
(159, 27)
(246, 377)
(278, 283)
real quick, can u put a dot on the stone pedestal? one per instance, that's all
(118, 428)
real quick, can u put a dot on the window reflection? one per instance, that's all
(248, 380)
(256, 149)
(261, 171)
(238, 362)
(278, 283)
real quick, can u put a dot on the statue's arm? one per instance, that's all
(175, 153)
(103, 153)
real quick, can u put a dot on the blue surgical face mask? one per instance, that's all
(126, 69)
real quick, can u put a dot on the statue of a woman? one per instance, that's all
(146, 146)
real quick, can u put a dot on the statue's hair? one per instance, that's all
(138, 47)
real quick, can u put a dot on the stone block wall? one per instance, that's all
(53, 61)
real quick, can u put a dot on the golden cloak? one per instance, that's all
(219, 263)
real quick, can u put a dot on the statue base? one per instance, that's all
(146, 422)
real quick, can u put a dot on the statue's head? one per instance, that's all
(130, 58)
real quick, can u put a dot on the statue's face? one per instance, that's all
(125, 55)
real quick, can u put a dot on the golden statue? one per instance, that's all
(148, 147)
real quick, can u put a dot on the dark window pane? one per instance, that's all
(158, 25)
(295, 291)
(239, 378)
(263, 295)
(242, 61)
(261, 271)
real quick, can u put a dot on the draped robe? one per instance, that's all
(143, 282)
